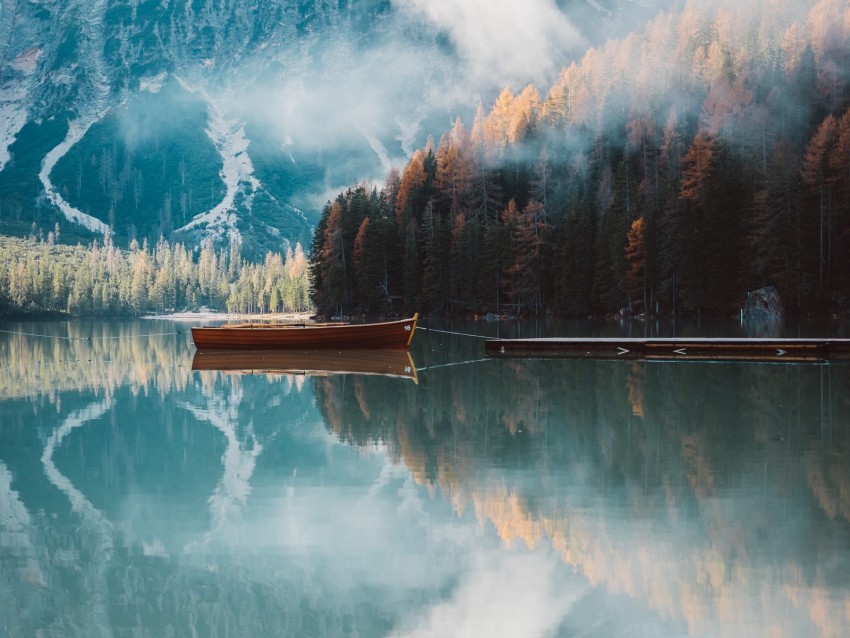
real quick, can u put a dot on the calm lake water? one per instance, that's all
(516, 498)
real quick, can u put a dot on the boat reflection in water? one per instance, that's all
(382, 362)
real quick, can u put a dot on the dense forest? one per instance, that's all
(38, 275)
(673, 171)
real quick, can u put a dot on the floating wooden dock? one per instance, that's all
(674, 349)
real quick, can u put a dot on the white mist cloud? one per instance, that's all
(512, 595)
(503, 41)
(361, 105)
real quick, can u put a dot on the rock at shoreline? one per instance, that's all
(763, 303)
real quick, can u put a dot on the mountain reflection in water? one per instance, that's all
(521, 498)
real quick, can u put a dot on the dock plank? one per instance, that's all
(673, 348)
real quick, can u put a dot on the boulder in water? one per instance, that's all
(763, 303)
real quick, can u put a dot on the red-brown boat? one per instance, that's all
(341, 336)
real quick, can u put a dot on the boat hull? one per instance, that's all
(388, 334)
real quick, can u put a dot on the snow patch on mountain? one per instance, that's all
(598, 7)
(378, 147)
(27, 62)
(153, 84)
(237, 171)
(95, 107)
(13, 117)
(76, 130)
(409, 132)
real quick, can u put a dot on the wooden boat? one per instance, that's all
(340, 336)
(390, 362)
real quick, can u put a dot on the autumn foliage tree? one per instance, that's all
(636, 256)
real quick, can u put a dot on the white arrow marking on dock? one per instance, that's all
(621, 351)
(780, 351)
(681, 351)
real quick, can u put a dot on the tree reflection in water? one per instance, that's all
(717, 493)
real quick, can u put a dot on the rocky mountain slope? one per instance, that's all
(217, 118)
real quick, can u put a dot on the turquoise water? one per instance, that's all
(487, 498)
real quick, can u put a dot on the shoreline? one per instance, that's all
(213, 315)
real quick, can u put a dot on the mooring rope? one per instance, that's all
(460, 334)
(456, 363)
(139, 336)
